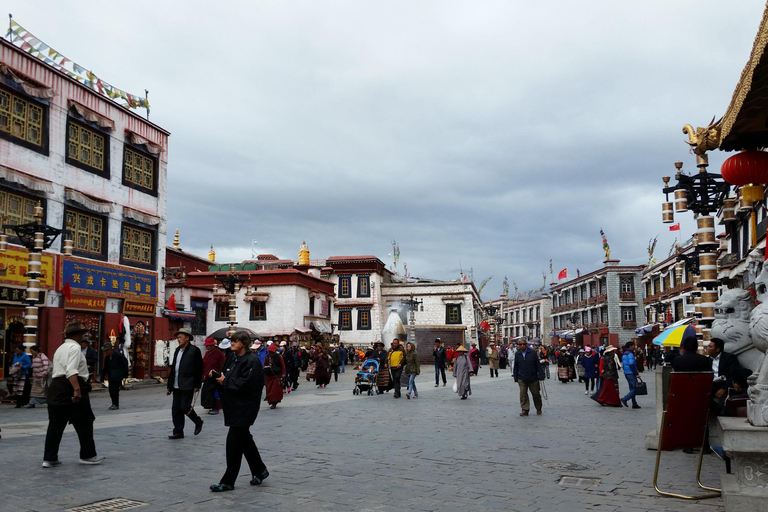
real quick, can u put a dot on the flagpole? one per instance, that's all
(10, 27)
(146, 97)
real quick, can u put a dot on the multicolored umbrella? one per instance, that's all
(674, 336)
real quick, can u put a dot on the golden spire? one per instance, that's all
(212, 255)
(176, 240)
(304, 253)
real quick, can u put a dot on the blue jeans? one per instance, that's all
(439, 370)
(343, 364)
(412, 385)
(632, 381)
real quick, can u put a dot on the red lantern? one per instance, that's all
(747, 169)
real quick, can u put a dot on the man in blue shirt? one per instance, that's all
(630, 373)
(343, 356)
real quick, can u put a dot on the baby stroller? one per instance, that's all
(365, 379)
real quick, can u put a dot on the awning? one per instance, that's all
(321, 326)
(137, 139)
(91, 203)
(184, 316)
(146, 218)
(303, 330)
(646, 328)
(90, 115)
(684, 321)
(27, 180)
(29, 88)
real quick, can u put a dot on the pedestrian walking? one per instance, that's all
(335, 362)
(526, 374)
(474, 358)
(461, 370)
(184, 381)
(91, 356)
(492, 354)
(610, 381)
(322, 366)
(396, 359)
(563, 367)
(213, 360)
(543, 355)
(23, 376)
(412, 369)
(294, 354)
(503, 356)
(282, 351)
(68, 400)
(115, 369)
(242, 382)
(274, 373)
(630, 373)
(440, 355)
(342, 357)
(589, 362)
(41, 366)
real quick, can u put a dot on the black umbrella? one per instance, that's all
(224, 333)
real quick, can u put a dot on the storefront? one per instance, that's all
(89, 310)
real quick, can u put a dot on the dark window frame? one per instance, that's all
(134, 263)
(348, 280)
(103, 256)
(200, 324)
(155, 163)
(219, 318)
(44, 148)
(252, 316)
(103, 132)
(364, 279)
(457, 309)
(12, 188)
(342, 314)
(311, 305)
(360, 314)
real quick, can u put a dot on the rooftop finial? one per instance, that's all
(176, 240)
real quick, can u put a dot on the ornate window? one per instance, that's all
(345, 291)
(364, 319)
(345, 320)
(87, 232)
(137, 245)
(138, 169)
(363, 286)
(17, 209)
(222, 311)
(21, 119)
(86, 148)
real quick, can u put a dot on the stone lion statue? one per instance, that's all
(732, 317)
(757, 408)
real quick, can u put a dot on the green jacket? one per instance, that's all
(412, 366)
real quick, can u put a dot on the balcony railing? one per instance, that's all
(629, 324)
(627, 296)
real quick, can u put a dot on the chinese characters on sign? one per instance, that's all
(86, 303)
(108, 280)
(138, 308)
(18, 295)
(13, 267)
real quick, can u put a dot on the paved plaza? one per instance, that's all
(330, 450)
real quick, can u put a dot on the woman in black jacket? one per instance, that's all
(242, 381)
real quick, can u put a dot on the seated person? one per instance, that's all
(738, 390)
(689, 360)
(724, 365)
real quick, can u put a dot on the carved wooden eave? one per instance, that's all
(745, 123)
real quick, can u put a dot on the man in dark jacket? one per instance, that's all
(184, 381)
(689, 360)
(724, 365)
(115, 369)
(526, 373)
(440, 355)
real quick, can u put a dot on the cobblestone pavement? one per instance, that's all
(330, 450)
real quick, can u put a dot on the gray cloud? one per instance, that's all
(498, 135)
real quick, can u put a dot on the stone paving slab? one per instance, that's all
(330, 450)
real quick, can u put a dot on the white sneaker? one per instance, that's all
(586, 392)
(51, 463)
(92, 461)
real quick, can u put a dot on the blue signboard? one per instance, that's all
(87, 276)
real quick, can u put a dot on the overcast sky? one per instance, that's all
(494, 135)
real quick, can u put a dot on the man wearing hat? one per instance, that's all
(68, 400)
(184, 381)
(115, 369)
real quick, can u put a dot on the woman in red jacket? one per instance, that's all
(274, 373)
(212, 360)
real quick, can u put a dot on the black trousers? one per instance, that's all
(439, 370)
(240, 443)
(81, 417)
(335, 371)
(25, 391)
(182, 403)
(294, 378)
(114, 391)
(396, 376)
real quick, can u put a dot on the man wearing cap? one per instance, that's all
(440, 356)
(184, 381)
(115, 369)
(68, 400)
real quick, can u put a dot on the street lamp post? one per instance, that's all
(36, 237)
(702, 193)
(231, 283)
(412, 305)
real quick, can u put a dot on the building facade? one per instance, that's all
(530, 318)
(599, 307)
(99, 171)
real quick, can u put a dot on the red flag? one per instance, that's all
(66, 291)
(485, 325)
(675, 227)
(563, 274)
(171, 304)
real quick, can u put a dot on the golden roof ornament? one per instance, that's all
(176, 240)
(304, 253)
(212, 255)
(702, 140)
